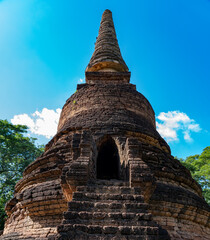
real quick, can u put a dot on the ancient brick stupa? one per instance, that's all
(107, 173)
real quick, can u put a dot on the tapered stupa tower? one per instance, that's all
(107, 173)
(107, 55)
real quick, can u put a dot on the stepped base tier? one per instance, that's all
(107, 173)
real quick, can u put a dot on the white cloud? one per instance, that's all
(41, 123)
(171, 123)
(187, 136)
(166, 132)
(81, 80)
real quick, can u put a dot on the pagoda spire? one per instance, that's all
(107, 56)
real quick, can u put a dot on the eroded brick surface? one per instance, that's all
(60, 196)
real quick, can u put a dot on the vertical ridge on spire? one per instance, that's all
(107, 56)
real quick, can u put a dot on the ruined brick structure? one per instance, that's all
(107, 173)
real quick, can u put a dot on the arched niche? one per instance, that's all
(108, 162)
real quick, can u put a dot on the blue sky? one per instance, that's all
(45, 47)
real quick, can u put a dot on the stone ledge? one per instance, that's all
(107, 77)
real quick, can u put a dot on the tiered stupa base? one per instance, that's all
(109, 210)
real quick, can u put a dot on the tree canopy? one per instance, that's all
(199, 166)
(16, 152)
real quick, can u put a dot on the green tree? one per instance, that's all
(199, 166)
(16, 152)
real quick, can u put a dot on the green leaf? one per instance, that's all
(16, 152)
(199, 166)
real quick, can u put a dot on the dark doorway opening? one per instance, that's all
(108, 161)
